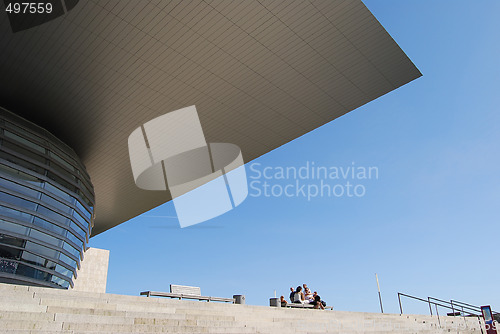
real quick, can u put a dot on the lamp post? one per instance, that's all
(379, 295)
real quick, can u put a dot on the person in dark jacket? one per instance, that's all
(318, 303)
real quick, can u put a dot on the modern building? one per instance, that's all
(46, 206)
(261, 73)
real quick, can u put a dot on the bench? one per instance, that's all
(275, 302)
(185, 292)
(297, 305)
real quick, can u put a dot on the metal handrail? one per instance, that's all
(409, 296)
(448, 305)
(428, 301)
(453, 308)
(465, 308)
(473, 306)
(459, 302)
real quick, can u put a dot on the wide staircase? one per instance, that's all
(40, 310)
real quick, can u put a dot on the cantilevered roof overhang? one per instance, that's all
(261, 73)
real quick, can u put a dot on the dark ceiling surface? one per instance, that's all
(261, 73)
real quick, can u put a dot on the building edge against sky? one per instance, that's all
(46, 206)
(325, 66)
(261, 74)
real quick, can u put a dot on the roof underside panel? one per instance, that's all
(261, 73)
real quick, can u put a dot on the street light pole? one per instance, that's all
(379, 295)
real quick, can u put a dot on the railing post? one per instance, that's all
(452, 309)
(437, 313)
(430, 308)
(465, 320)
(479, 320)
(400, 307)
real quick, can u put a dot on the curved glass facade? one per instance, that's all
(46, 206)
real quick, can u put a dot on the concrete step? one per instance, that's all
(41, 310)
(34, 331)
(77, 303)
(87, 311)
(22, 307)
(170, 328)
(20, 315)
(27, 324)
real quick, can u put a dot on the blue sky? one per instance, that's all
(428, 225)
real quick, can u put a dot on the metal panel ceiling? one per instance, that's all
(261, 73)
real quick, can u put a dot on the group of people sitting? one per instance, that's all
(303, 295)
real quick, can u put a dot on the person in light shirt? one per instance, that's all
(308, 294)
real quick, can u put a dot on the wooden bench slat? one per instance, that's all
(161, 294)
(297, 305)
(185, 290)
(194, 293)
(222, 299)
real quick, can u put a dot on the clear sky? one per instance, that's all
(427, 222)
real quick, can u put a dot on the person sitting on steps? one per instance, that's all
(291, 294)
(308, 295)
(299, 297)
(318, 303)
(283, 301)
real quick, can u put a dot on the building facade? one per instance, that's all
(93, 272)
(46, 206)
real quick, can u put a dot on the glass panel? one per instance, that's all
(58, 192)
(16, 214)
(83, 210)
(9, 252)
(8, 266)
(64, 271)
(37, 260)
(19, 188)
(28, 271)
(60, 281)
(17, 174)
(11, 227)
(61, 161)
(56, 204)
(69, 261)
(52, 215)
(25, 133)
(45, 238)
(22, 163)
(24, 152)
(78, 230)
(9, 240)
(86, 200)
(23, 141)
(49, 226)
(60, 181)
(80, 219)
(22, 203)
(71, 250)
(63, 171)
(42, 250)
(75, 240)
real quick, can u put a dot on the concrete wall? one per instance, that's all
(93, 273)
